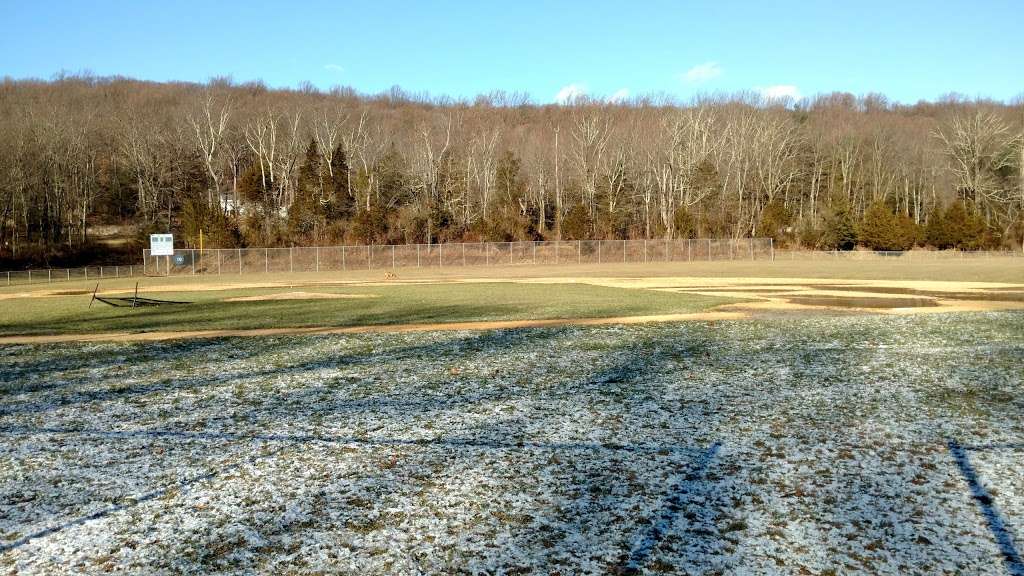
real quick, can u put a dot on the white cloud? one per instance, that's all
(703, 72)
(619, 96)
(570, 92)
(334, 67)
(779, 92)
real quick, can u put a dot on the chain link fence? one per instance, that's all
(50, 275)
(909, 255)
(381, 257)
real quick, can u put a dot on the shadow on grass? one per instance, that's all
(628, 376)
(202, 348)
(130, 502)
(646, 544)
(270, 314)
(352, 440)
(993, 518)
(395, 305)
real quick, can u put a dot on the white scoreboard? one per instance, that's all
(161, 245)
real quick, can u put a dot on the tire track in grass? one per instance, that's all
(646, 542)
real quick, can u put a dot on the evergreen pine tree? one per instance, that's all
(305, 211)
(342, 202)
(936, 232)
(840, 231)
(775, 219)
(878, 228)
(882, 229)
(684, 223)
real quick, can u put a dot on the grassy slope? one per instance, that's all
(397, 304)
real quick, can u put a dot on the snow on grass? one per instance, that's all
(815, 445)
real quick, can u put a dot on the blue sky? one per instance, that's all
(906, 49)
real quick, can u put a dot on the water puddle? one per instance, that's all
(855, 302)
(764, 290)
(993, 296)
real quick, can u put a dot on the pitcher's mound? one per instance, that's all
(298, 296)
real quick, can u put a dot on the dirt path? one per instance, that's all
(483, 325)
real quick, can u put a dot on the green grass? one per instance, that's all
(400, 304)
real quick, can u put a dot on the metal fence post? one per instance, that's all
(417, 255)
(369, 258)
(709, 249)
(487, 254)
(266, 260)
(392, 256)
(49, 276)
(193, 262)
(599, 251)
(218, 261)
(463, 254)
(623, 251)
(771, 247)
(557, 250)
(689, 250)
(69, 274)
(510, 261)
(535, 252)
(317, 248)
(751, 248)
(579, 251)
(239, 261)
(645, 250)
(291, 259)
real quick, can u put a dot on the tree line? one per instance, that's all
(252, 166)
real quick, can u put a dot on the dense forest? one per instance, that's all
(252, 166)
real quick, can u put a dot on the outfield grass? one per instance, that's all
(824, 445)
(393, 304)
(431, 295)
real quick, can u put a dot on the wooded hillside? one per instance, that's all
(251, 166)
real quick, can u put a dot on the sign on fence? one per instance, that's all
(161, 244)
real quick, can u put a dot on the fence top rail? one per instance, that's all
(496, 243)
(951, 252)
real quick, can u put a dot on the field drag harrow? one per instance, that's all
(133, 302)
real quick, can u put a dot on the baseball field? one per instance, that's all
(719, 417)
